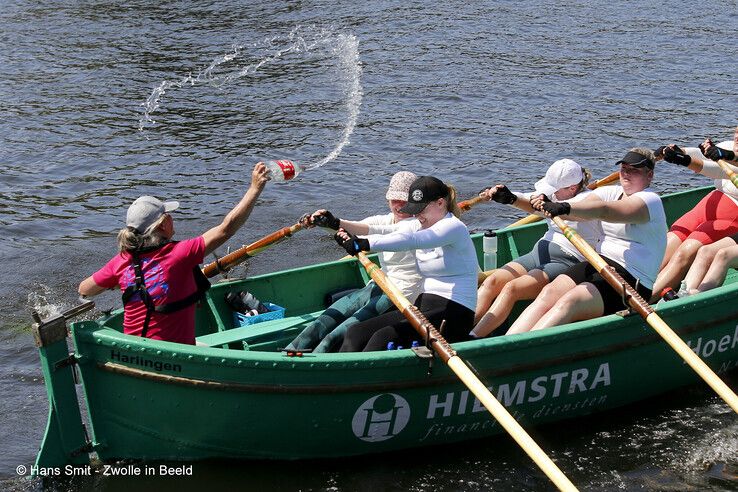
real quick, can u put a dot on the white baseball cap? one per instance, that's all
(146, 210)
(562, 173)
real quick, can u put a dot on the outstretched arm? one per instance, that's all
(219, 234)
(502, 194)
(631, 209)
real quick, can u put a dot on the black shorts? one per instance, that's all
(613, 301)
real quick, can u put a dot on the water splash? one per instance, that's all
(347, 51)
(40, 301)
(343, 47)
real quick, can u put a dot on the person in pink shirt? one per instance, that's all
(160, 278)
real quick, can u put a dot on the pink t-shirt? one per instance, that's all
(168, 277)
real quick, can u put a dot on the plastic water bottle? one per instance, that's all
(244, 302)
(282, 170)
(489, 247)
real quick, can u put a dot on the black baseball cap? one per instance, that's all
(636, 160)
(424, 190)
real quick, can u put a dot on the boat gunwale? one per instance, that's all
(469, 350)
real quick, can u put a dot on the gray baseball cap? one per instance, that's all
(146, 210)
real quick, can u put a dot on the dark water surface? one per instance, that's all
(105, 101)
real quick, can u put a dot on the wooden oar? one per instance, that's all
(727, 169)
(641, 307)
(449, 356)
(466, 205)
(592, 186)
(232, 259)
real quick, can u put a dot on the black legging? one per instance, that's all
(375, 333)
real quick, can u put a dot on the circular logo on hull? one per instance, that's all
(381, 417)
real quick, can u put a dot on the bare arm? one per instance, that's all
(219, 234)
(519, 202)
(88, 287)
(356, 228)
(630, 209)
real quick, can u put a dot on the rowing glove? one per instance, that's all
(675, 155)
(555, 209)
(326, 219)
(353, 244)
(715, 153)
(504, 195)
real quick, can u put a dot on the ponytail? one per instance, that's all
(451, 204)
(129, 239)
(586, 177)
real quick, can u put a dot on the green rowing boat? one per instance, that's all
(235, 395)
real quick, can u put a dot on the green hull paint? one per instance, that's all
(240, 398)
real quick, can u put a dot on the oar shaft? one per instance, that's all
(511, 425)
(697, 364)
(236, 257)
(426, 329)
(654, 320)
(375, 272)
(611, 178)
(725, 166)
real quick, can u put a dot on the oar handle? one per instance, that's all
(652, 318)
(241, 254)
(426, 329)
(732, 176)
(468, 204)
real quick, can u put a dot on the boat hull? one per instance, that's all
(149, 402)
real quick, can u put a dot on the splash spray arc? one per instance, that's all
(343, 48)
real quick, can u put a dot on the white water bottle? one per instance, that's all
(282, 170)
(489, 247)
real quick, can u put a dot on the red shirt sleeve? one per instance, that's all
(193, 250)
(107, 276)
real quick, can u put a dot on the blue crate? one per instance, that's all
(275, 312)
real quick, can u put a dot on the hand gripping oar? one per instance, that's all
(449, 356)
(535, 218)
(465, 206)
(592, 186)
(641, 307)
(232, 259)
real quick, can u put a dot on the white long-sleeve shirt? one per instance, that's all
(445, 256)
(399, 266)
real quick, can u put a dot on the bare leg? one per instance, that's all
(702, 262)
(582, 302)
(672, 243)
(525, 287)
(674, 272)
(724, 259)
(492, 285)
(545, 301)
